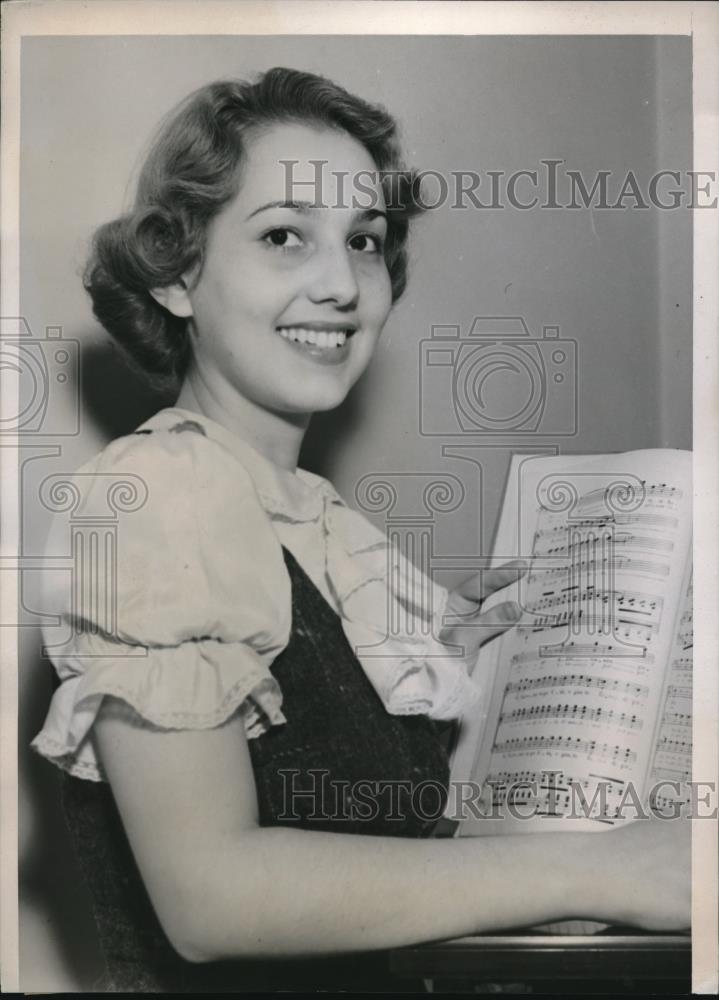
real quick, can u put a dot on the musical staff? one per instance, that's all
(641, 518)
(678, 719)
(637, 567)
(586, 690)
(624, 630)
(663, 521)
(557, 793)
(590, 749)
(673, 752)
(587, 681)
(574, 713)
(628, 602)
(638, 543)
(675, 691)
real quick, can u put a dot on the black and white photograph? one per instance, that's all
(358, 435)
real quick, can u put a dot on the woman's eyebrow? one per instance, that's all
(366, 215)
(296, 206)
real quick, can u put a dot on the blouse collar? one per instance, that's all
(368, 581)
(299, 496)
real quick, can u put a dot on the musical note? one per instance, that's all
(674, 746)
(673, 752)
(568, 550)
(663, 521)
(588, 681)
(565, 744)
(678, 719)
(578, 713)
(626, 601)
(637, 567)
(584, 679)
(557, 793)
(661, 491)
(595, 651)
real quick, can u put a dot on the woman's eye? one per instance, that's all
(283, 238)
(366, 243)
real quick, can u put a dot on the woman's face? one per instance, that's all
(291, 299)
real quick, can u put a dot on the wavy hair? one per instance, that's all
(192, 171)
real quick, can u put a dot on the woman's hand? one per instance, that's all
(478, 626)
(642, 874)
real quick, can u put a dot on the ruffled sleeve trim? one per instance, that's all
(190, 610)
(208, 680)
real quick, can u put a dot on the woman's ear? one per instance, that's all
(174, 298)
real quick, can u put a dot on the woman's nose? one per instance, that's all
(334, 280)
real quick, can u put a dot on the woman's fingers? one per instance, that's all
(485, 583)
(479, 629)
(497, 620)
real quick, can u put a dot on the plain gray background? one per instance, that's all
(616, 282)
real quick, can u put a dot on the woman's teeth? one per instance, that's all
(320, 338)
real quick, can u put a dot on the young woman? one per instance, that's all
(196, 734)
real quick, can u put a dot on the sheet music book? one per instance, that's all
(589, 697)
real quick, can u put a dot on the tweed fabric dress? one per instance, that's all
(337, 733)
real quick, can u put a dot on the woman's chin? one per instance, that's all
(304, 413)
(321, 400)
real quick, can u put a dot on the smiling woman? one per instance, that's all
(248, 598)
(277, 282)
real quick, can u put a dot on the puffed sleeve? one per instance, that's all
(172, 595)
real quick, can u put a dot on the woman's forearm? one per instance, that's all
(289, 892)
(225, 887)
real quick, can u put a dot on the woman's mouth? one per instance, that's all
(329, 345)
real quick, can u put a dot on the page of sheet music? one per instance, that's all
(672, 763)
(581, 684)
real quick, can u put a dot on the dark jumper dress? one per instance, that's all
(336, 735)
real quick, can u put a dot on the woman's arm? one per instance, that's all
(224, 887)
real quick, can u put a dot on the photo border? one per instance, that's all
(383, 17)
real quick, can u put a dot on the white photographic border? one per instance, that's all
(316, 17)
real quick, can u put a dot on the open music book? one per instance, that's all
(589, 697)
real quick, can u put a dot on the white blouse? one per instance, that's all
(202, 595)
